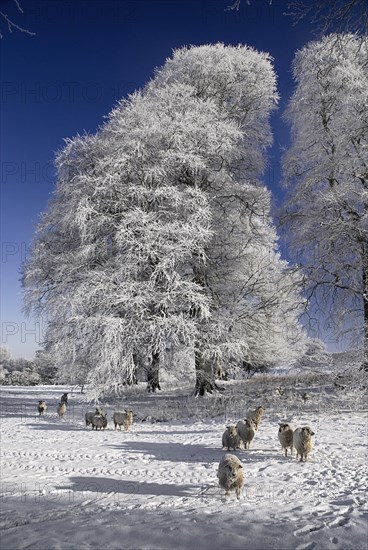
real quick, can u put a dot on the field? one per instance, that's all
(154, 487)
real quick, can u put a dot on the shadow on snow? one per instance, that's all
(104, 486)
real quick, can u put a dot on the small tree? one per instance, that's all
(6, 359)
(45, 367)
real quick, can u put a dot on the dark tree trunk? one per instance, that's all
(153, 381)
(205, 380)
(365, 306)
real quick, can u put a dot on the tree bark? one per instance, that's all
(205, 380)
(365, 306)
(153, 381)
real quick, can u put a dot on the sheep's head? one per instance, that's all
(307, 430)
(250, 424)
(283, 427)
(232, 430)
(260, 410)
(233, 470)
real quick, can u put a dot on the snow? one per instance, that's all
(154, 487)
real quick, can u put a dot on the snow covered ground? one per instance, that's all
(65, 486)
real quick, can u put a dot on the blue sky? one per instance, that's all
(86, 55)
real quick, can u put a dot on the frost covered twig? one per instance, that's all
(11, 24)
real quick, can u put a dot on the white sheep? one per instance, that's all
(302, 441)
(123, 418)
(256, 415)
(231, 474)
(42, 407)
(90, 414)
(246, 431)
(61, 410)
(231, 439)
(285, 436)
(99, 421)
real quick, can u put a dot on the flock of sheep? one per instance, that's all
(97, 418)
(61, 408)
(230, 471)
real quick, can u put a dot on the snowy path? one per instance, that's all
(155, 487)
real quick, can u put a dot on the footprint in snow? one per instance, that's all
(307, 529)
(264, 467)
(306, 546)
(340, 521)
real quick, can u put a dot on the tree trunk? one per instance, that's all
(205, 380)
(153, 381)
(365, 306)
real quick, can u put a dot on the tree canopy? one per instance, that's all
(160, 234)
(326, 169)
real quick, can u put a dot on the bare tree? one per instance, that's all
(331, 15)
(325, 15)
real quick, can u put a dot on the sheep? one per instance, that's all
(90, 414)
(285, 436)
(123, 418)
(302, 441)
(256, 415)
(246, 431)
(231, 474)
(61, 409)
(231, 439)
(99, 421)
(64, 398)
(42, 407)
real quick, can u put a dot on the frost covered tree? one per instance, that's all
(7, 364)
(17, 371)
(108, 265)
(159, 232)
(45, 367)
(243, 276)
(326, 169)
